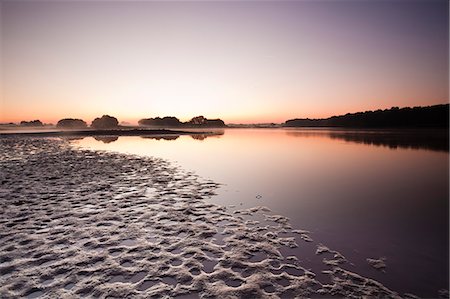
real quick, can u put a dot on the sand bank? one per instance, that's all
(93, 132)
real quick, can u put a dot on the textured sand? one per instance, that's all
(78, 223)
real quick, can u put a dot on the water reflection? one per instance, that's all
(429, 139)
(168, 137)
(216, 133)
(106, 139)
(113, 138)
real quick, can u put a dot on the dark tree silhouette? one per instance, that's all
(33, 123)
(216, 123)
(170, 121)
(436, 116)
(105, 122)
(197, 121)
(167, 121)
(106, 139)
(201, 121)
(71, 123)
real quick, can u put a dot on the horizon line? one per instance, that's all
(130, 121)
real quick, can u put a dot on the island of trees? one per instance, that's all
(109, 122)
(436, 116)
(105, 122)
(33, 123)
(71, 123)
(173, 122)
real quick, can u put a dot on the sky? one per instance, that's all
(241, 61)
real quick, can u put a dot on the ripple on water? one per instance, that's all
(34, 293)
(269, 289)
(146, 284)
(115, 251)
(152, 239)
(208, 266)
(182, 235)
(188, 296)
(234, 282)
(138, 276)
(176, 262)
(293, 271)
(283, 282)
(127, 264)
(169, 280)
(117, 278)
(69, 286)
(258, 257)
(128, 242)
(47, 282)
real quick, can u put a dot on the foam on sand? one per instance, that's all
(100, 224)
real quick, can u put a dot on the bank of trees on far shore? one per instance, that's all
(32, 123)
(71, 123)
(436, 116)
(104, 122)
(110, 122)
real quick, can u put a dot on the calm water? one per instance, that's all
(365, 194)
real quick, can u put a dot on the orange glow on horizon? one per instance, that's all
(240, 61)
(52, 117)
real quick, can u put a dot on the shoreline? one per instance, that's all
(113, 132)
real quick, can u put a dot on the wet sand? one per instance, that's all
(93, 132)
(99, 224)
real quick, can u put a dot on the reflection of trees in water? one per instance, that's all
(168, 137)
(202, 137)
(196, 136)
(106, 139)
(431, 139)
(109, 139)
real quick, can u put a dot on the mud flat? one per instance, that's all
(93, 132)
(80, 223)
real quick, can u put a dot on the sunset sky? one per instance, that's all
(242, 61)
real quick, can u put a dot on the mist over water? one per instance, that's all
(366, 194)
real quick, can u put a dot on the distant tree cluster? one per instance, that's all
(200, 121)
(71, 123)
(110, 122)
(170, 121)
(105, 122)
(429, 116)
(10, 124)
(33, 123)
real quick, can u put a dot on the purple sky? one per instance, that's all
(242, 61)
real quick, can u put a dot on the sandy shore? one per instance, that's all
(93, 132)
(98, 224)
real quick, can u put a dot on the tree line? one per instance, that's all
(110, 122)
(104, 122)
(170, 121)
(436, 116)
